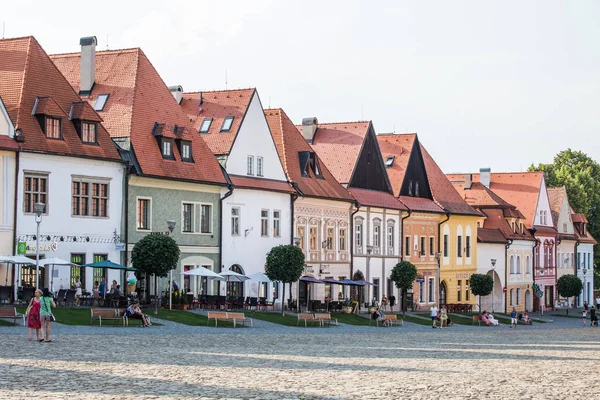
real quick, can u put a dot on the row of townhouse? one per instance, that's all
(115, 154)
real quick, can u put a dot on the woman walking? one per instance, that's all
(46, 316)
(33, 315)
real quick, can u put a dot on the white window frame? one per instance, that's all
(264, 232)
(137, 211)
(342, 239)
(197, 218)
(91, 181)
(250, 165)
(167, 146)
(238, 218)
(259, 166)
(276, 223)
(186, 148)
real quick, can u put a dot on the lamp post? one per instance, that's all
(542, 297)
(369, 251)
(171, 225)
(583, 290)
(38, 208)
(297, 240)
(438, 256)
(493, 281)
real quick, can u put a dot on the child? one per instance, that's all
(584, 314)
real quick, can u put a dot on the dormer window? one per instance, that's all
(53, 126)
(167, 149)
(314, 163)
(185, 149)
(389, 161)
(227, 122)
(100, 102)
(205, 125)
(304, 157)
(88, 132)
(410, 188)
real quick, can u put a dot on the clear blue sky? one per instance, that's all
(485, 84)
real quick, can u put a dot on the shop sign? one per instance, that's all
(463, 276)
(22, 248)
(43, 247)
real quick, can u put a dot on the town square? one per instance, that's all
(263, 199)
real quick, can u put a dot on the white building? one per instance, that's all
(585, 259)
(68, 162)
(257, 212)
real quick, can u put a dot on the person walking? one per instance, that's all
(584, 315)
(434, 315)
(33, 315)
(443, 317)
(392, 301)
(513, 318)
(46, 316)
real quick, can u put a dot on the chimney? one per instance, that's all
(177, 92)
(309, 128)
(468, 181)
(88, 64)
(485, 176)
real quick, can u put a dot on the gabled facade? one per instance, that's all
(527, 191)
(257, 214)
(351, 152)
(584, 249)
(172, 173)
(322, 210)
(66, 161)
(505, 248)
(406, 170)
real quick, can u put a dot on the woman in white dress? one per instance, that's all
(77, 291)
(493, 320)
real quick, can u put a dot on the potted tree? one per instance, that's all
(285, 264)
(569, 286)
(481, 285)
(403, 275)
(347, 306)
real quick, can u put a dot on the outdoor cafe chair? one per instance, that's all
(70, 298)
(60, 297)
(5, 294)
(253, 303)
(27, 294)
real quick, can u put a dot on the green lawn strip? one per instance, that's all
(6, 323)
(276, 318)
(77, 316)
(187, 318)
(455, 318)
(350, 319)
(415, 320)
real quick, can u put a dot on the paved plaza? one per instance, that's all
(557, 361)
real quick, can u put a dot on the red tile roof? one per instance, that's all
(28, 75)
(442, 190)
(556, 197)
(339, 145)
(289, 142)
(218, 105)
(520, 189)
(373, 198)
(7, 143)
(420, 204)
(247, 182)
(490, 236)
(496, 219)
(138, 98)
(579, 218)
(400, 146)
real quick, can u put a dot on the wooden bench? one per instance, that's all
(11, 313)
(392, 319)
(106, 314)
(216, 315)
(238, 317)
(121, 314)
(476, 318)
(325, 317)
(307, 318)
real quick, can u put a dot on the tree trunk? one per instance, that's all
(155, 295)
(283, 302)
(403, 306)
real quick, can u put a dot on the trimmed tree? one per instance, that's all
(285, 264)
(155, 255)
(481, 285)
(404, 275)
(569, 286)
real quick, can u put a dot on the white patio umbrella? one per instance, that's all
(17, 260)
(204, 272)
(55, 261)
(231, 276)
(259, 278)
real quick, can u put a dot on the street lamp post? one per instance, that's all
(583, 290)
(542, 301)
(297, 241)
(438, 256)
(369, 251)
(171, 225)
(493, 281)
(38, 208)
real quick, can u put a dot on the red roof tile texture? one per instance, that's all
(27, 74)
(490, 236)
(339, 145)
(138, 98)
(496, 219)
(218, 105)
(520, 189)
(246, 182)
(373, 198)
(556, 197)
(420, 204)
(400, 146)
(289, 142)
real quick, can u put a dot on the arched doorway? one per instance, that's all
(235, 289)
(495, 300)
(443, 291)
(528, 300)
(355, 291)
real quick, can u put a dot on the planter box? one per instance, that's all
(347, 310)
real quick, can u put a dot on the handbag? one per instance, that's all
(52, 318)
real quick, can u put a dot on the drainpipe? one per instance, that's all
(534, 263)
(577, 243)
(402, 233)
(357, 205)
(448, 214)
(15, 267)
(229, 193)
(126, 213)
(506, 246)
(293, 199)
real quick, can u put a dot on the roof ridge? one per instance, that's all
(15, 38)
(98, 52)
(25, 73)
(285, 161)
(344, 122)
(219, 91)
(397, 134)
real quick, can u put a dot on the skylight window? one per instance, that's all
(205, 125)
(227, 124)
(100, 102)
(389, 161)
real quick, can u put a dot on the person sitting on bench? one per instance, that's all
(379, 316)
(134, 312)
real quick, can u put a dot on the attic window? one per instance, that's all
(304, 157)
(227, 122)
(167, 149)
(185, 148)
(205, 125)
(88, 132)
(314, 163)
(389, 161)
(100, 102)
(53, 128)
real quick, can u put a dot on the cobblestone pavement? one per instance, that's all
(313, 364)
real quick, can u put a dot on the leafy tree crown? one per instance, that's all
(481, 284)
(155, 255)
(404, 274)
(569, 286)
(285, 263)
